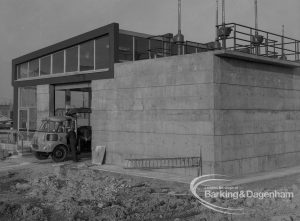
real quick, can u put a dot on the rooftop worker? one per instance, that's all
(72, 142)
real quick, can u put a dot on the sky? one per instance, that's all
(28, 25)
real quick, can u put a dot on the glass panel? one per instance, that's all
(28, 97)
(60, 103)
(190, 49)
(141, 48)
(125, 48)
(87, 56)
(58, 62)
(72, 59)
(156, 48)
(80, 99)
(45, 65)
(174, 49)
(102, 52)
(28, 108)
(23, 70)
(34, 68)
(32, 119)
(23, 119)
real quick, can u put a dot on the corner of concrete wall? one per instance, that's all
(256, 116)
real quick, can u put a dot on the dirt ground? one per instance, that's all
(41, 190)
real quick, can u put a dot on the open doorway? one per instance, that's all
(70, 96)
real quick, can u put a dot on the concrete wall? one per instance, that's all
(257, 116)
(244, 116)
(156, 108)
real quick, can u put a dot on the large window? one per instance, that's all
(72, 59)
(92, 55)
(87, 56)
(34, 68)
(141, 48)
(27, 109)
(46, 65)
(23, 70)
(125, 47)
(58, 62)
(102, 52)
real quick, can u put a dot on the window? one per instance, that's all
(125, 47)
(141, 48)
(23, 70)
(87, 56)
(45, 65)
(27, 108)
(156, 48)
(190, 49)
(58, 62)
(102, 52)
(72, 59)
(34, 68)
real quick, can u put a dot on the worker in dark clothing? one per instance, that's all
(72, 141)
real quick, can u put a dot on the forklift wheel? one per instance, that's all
(59, 153)
(41, 155)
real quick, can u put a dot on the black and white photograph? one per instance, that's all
(149, 110)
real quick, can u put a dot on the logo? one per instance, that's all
(215, 187)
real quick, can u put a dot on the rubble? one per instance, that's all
(79, 193)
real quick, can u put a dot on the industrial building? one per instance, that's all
(231, 106)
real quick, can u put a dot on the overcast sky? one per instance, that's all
(28, 25)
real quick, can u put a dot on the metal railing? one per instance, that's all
(249, 40)
(8, 136)
(18, 140)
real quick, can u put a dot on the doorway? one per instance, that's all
(73, 96)
(68, 96)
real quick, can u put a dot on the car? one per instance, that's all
(51, 138)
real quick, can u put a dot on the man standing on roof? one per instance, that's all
(72, 142)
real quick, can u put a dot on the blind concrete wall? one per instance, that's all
(157, 108)
(257, 116)
(244, 116)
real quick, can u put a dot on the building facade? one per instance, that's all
(238, 111)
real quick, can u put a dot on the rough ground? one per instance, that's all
(41, 191)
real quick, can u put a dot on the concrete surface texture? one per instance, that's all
(242, 115)
(157, 108)
(257, 117)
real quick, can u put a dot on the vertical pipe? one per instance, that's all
(223, 12)
(255, 14)
(267, 45)
(217, 19)
(295, 50)
(298, 51)
(234, 37)
(223, 24)
(256, 27)
(282, 43)
(179, 16)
